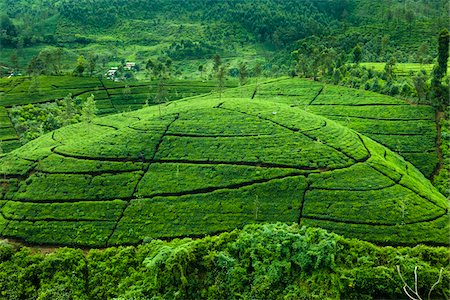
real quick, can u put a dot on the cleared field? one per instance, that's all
(206, 165)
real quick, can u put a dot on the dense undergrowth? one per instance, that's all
(272, 261)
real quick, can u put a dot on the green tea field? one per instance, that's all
(409, 130)
(110, 97)
(213, 163)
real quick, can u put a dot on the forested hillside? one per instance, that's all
(195, 30)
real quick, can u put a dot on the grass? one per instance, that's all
(208, 164)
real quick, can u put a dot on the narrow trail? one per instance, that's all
(315, 97)
(135, 190)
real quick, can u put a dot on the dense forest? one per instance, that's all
(384, 28)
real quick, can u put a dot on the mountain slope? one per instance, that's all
(204, 165)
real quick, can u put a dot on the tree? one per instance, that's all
(92, 63)
(200, 69)
(357, 54)
(420, 85)
(36, 66)
(337, 76)
(389, 68)
(8, 32)
(69, 109)
(243, 73)
(421, 54)
(439, 91)
(149, 66)
(257, 70)
(57, 59)
(409, 17)
(221, 75)
(217, 62)
(384, 44)
(81, 66)
(89, 109)
(440, 69)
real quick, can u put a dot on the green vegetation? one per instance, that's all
(190, 33)
(61, 100)
(270, 261)
(441, 179)
(405, 129)
(124, 123)
(213, 163)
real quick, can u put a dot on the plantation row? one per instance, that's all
(41, 89)
(8, 136)
(193, 168)
(407, 130)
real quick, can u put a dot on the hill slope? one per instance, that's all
(207, 165)
(190, 32)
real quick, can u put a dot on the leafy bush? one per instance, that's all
(266, 261)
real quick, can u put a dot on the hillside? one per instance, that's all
(210, 164)
(21, 122)
(191, 32)
(409, 130)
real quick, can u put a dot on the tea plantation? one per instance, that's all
(110, 97)
(210, 164)
(409, 130)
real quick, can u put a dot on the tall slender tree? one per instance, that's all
(89, 109)
(440, 93)
(243, 73)
(221, 75)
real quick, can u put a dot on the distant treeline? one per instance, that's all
(280, 22)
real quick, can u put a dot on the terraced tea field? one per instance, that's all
(8, 136)
(409, 130)
(206, 165)
(111, 97)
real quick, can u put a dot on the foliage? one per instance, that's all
(440, 91)
(441, 179)
(29, 119)
(269, 261)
